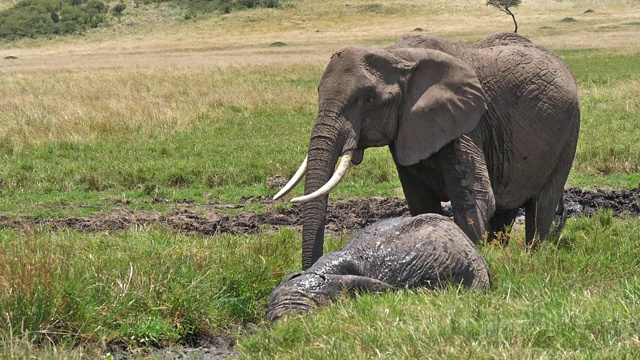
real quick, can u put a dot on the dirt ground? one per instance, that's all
(213, 218)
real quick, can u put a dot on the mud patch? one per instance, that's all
(579, 202)
(202, 348)
(342, 216)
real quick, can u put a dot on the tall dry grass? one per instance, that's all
(85, 105)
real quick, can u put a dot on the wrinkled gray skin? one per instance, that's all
(491, 126)
(428, 251)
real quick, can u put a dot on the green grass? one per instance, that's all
(608, 155)
(231, 154)
(142, 287)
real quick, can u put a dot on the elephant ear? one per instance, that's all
(443, 101)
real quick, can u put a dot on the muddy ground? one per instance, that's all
(213, 218)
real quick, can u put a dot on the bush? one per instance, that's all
(35, 18)
(118, 9)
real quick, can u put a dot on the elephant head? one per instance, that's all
(414, 100)
(301, 292)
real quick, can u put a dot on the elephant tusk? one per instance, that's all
(333, 182)
(294, 180)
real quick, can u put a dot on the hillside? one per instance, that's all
(159, 36)
(32, 19)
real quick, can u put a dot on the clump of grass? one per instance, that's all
(27, 282)
(144, 287)
(140, 288)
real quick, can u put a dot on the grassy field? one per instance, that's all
(158, 107)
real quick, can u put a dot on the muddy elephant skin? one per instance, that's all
(428, 251)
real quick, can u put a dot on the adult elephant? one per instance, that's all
(491, 126)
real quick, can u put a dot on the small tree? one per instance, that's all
(504, 5)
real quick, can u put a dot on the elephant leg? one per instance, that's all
(560, 218)
(540, 213)
(500, 223)
(548, 204)
(471, 214)
(421, 199)
(467, 184)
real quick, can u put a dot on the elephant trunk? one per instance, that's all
(326, 145)
(287, 303)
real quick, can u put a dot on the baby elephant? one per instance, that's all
(427, 250)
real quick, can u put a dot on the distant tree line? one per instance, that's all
(38, 18)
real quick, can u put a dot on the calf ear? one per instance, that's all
(356, 284)
(443, 100)
(294, 275)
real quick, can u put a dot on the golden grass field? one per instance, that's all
(153, 70)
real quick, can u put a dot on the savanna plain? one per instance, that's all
(156, 114)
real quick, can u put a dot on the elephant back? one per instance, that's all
(502, 39)
(427, 250)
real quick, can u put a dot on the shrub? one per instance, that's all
(36, 18)
(118, 9)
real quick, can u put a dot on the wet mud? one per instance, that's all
(342, 216)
